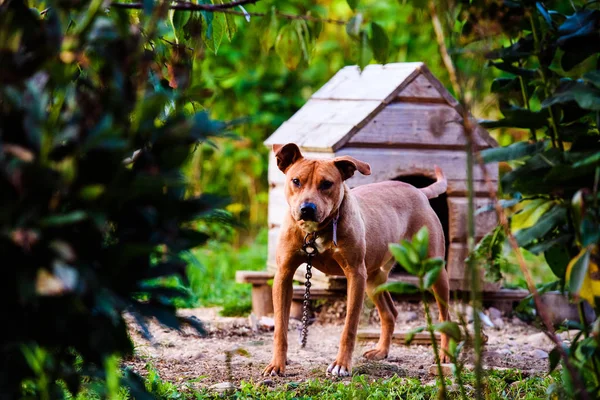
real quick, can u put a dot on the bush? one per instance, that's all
(95, 125)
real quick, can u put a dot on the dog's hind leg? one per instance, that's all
(387, 314)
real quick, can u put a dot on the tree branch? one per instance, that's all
(189, 6)
(286, 16)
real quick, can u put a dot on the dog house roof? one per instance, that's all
(340, 108)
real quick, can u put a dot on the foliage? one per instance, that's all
(550, 88)
(413, 257)
(502, 384)
(90, 229)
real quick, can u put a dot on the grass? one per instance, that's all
(212, 274)
(500, 385)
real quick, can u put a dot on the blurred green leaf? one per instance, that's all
(432, 275)
(268, 34)
(397, 287)
(352, 4)
(410, 335)
(449, 328)
(512, 152)
(288, 47)
(549, 220)
(379, 43)
(406, 255)
(421, 242)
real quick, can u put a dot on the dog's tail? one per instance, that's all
(435, 189)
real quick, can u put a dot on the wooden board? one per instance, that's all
(421, 338)
(375, 82)
(458, 273)
(420, 89)
(457, 213)
(317, 111)
(415, 125)
(253, 277)
(391, 163)
(319, 137)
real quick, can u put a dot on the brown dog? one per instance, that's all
(370, 217)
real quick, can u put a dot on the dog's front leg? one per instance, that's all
(357, 282)
(282, 300)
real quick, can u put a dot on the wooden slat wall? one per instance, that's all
(423, 125)
(420, 90)
(458, 211)
(390, 163)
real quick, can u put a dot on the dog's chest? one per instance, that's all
(325, 243)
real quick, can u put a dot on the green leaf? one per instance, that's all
(64, 219)
(352, 4)
(593, 77)
(554, 358)
(513, 151)
(587, 97)
(379, 43)
(516, 117)
(421, 242)
(558, 258)
(449, 328)
(288, 47)
(215, 32)
(303, 37)
(178, 20)
(577, 271)
(544, 225)
(432, 275)
(530, 214)
(397, 287)
(364, 52)
(591, 160)
(410, 335)
(229, 22)
(406, 256)
(269, 26)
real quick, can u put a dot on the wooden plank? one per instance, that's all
(278, 206)
(457, 212)
(420, 88)
(420, 338)
(320, 137)
(254, 277)
(334, 112)
(375, 82)
(317, 293)
(273, 239)
(391, 163)
(457, 271)
(415, 125)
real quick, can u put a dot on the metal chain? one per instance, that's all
(310, 249)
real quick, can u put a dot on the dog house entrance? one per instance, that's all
(439, 205)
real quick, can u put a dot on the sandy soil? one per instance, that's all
(233, 352)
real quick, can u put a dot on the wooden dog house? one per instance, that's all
(401, 120)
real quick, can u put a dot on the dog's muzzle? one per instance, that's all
(308, 212)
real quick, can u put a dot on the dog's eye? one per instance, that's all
(325, 185)
(296, 182)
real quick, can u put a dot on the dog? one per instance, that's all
(368, 218)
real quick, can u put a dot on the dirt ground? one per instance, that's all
(181, 357)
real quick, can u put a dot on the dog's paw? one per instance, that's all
(274, 369)
(339, 369)
(375, 354)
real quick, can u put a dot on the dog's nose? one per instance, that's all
(308, 211)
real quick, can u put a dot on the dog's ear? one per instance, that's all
(286, 155)
(348, 165)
